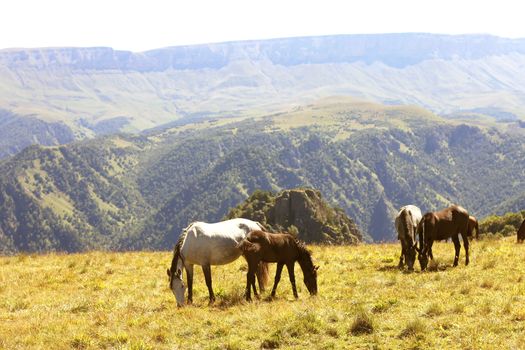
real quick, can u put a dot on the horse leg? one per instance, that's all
(457, 247)
(207, 276)
(403, 252)
(252, 279)
(189, 277)
(290, 267)
(248, 293)
(430, 251)
(466, 245)
(277, 277)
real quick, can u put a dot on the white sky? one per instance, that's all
(142, 25)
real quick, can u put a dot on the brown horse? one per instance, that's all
(280, 248)
(521, 232)
(472, 225)
(447, 223)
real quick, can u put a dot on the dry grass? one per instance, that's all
(121, 301)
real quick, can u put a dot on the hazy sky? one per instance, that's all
(142, 25)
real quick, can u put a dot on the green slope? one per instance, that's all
(122, 192)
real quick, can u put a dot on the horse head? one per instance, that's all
(310, 279)
(411, 256)
(177, 285)
(422, 253)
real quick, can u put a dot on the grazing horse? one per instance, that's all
(472, 225)
(209, 244)
(280, 248)
(407, 220)
(444, 224)
(521, 232)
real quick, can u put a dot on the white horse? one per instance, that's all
(407, 220)
(209, 244)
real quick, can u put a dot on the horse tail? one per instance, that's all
(263, 275)
(408, 227)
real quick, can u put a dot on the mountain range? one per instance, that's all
(52, 96)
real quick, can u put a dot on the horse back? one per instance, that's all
(451, 221)
(273, 247)
(409, 215)
(215, 243)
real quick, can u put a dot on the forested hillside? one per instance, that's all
(131, 192)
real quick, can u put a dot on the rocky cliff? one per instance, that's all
(302, 212)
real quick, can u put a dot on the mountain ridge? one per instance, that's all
(348, 47)
(94, 91)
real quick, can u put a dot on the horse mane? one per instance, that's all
(304, 253)
(178, 246)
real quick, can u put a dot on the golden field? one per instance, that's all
(101, 300)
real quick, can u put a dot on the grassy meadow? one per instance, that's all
(102, 300)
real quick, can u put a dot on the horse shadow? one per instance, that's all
(226, 302)
(230, 300)
(438, 266)
(388, 268)
(432, 267)
(392, 268)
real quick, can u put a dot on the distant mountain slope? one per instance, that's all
(101, 91)
(17, 133)
(131, 192)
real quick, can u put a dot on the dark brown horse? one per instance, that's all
(521, 232)
(280, 248)
(472, 225)
(435, 226)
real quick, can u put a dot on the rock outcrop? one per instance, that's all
(302, 212)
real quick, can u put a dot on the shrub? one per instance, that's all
(414, 328)
(434, 309)
(363, 324)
